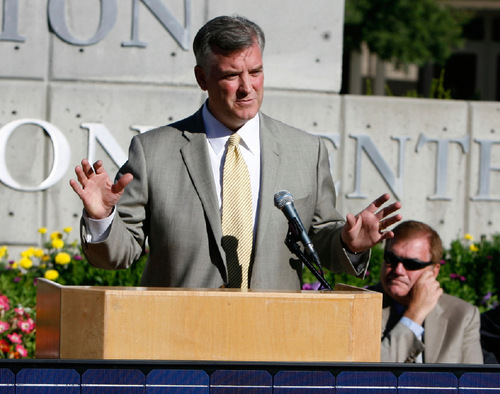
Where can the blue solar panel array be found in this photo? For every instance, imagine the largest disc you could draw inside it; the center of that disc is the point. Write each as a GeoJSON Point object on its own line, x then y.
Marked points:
{"type": "Point", "coordinates": [197, 381]}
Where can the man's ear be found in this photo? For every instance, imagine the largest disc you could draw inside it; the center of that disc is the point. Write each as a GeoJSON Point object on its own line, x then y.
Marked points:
{"type": "Point", "coordinates": [199, 73]}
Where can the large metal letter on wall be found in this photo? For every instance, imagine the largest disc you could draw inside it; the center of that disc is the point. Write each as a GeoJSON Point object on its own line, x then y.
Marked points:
{"type": "Point", "coordinates": [58, 22]}
{"type": "Point", "coordinates": [366, 144]}
{"type": "Point", "coordinates": [178, 31]}
{"type": "Point", "coordinates": [442, 161]}
{"type": "Point", "coordinates": [99, 132]}
{"type": "Point", "coordinates": [484, 170]}
{"type": "Point", "coordinates": [62, 155]}
{"type": "Point", "coordinates": [10, 26]}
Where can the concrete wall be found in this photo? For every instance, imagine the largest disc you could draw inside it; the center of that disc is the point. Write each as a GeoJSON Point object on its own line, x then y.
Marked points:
{"type": "Point", "coordinates": [109, 91]}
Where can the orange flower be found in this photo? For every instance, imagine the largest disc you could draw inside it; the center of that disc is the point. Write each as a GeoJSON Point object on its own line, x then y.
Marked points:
{"type": "Point", "coordinates": [4, 346]}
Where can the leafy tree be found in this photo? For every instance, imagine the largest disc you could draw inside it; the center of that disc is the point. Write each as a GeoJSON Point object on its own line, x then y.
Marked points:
{"type": "Point", "coordinates": [404, 31]}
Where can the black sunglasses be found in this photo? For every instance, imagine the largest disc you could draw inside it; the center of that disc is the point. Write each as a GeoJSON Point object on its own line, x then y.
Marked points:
{"type": "Point", "coordinates": [409, 264]}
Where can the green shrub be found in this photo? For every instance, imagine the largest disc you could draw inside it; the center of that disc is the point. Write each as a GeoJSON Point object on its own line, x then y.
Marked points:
{"type": "Point", "coordinates": [471, 271]}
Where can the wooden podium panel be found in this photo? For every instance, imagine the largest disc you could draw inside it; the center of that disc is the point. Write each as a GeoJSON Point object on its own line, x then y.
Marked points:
{"type": "Point", "coordinates": [81, 322]}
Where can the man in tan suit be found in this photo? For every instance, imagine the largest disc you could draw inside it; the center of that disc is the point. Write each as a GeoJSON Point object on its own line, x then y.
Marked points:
{"type": "Point", "coordinates": [419, 322]}
{"type": "Point", "coordinates": [170, 190]}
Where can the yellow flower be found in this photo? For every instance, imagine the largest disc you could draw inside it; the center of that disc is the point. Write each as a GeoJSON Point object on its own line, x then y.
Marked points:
{"type": "Point", "coordinates": [57, 243]}
{"type": "Point", "coordinates": [51, 275]}
{"type": "Point", "coordinates": [3, 251]}
{"type": "Point", "coordinates": [63, 258]}
{"type": "Point", "coordinates": [26, 263]}
{"type": "Point", "coordinates": [473, 248]}
{"type": "Point", "coordinates": [28, 252]}
{"type": "Point", "coordinates": [68, 229]}
{"type": "Point", "coordinates": [38, 253]}
{"type": "Point", "coordinates": [55, 235]}
{"type": "Point", "coordinates": [45, 257]}
{"type": "Point", "coordinates": [468, 237]}
{"type": "Point", "coordinates": [14, 265]}
{"type": "Point", "coordinates": [42, 230]}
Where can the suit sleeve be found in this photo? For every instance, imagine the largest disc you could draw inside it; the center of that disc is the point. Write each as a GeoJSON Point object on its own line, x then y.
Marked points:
{"type": "Point", "coordinates": [460, 343]}
{"type": "Point", "coordinates": [471, 349]}
{"type": "Point", "coordinates": [328, 222]}
{"type": "Point", "coordinates": [126, 238]}
{"type": "Point", "coordinates": [400, 345]}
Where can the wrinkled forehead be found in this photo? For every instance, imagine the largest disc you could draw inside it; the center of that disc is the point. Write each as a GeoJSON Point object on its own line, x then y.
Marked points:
{"type": "Point", "coordinates": [224, 61]}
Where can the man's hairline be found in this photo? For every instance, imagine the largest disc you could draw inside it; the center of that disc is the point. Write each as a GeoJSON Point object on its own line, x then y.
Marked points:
{"type": "Point", "coordinates": [206, 67]}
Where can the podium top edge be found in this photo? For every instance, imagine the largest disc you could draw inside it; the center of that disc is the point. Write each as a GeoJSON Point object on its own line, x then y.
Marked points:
{"type": "Point", "coordinates": [345, 292]}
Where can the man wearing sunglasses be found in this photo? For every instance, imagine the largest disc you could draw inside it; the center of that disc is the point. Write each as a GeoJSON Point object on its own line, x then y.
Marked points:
{"type": "Point", "coordinates": [419, 322]}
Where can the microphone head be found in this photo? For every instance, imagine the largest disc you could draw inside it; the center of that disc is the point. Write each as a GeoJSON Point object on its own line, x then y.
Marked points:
{"type": "Point", "coordinates": [282, 198]}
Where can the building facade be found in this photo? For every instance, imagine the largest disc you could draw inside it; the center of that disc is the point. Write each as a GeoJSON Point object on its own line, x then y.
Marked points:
{"type": "Point", "coordinates": [80, 79]}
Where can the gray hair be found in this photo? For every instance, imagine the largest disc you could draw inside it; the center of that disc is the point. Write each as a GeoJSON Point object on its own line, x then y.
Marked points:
{"type": "Point", "coordinates": [229, 33]}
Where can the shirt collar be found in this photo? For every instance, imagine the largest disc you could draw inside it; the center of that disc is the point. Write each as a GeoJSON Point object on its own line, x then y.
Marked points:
{"type": "Point", "coordinates": [218, 134]}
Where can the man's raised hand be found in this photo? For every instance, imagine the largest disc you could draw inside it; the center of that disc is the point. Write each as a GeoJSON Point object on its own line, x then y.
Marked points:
{"type": "Point", "coordinates": [96, 190]}
{"type": "Point", "coordinates": [367, 228]}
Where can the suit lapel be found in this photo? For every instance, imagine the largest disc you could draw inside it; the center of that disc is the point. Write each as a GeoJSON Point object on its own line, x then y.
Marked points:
{"type": "Point", "coordinates": [435, 328]}
{"type": "Point", "coordinates": [197, 161]}
{"type": "Point", "coordinates": [270, 171]}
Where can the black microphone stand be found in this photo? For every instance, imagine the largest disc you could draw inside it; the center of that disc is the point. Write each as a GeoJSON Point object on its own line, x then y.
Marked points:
{"type": "Point", "coordinates": [291, 241]}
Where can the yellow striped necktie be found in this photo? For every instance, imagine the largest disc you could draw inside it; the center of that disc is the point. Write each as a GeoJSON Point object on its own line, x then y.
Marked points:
{"type": "Point", "coordinates": [237, 217]}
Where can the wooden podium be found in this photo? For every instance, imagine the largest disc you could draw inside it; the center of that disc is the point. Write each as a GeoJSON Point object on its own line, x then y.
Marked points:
{"type": "Point", "coordinates": [139, 323]}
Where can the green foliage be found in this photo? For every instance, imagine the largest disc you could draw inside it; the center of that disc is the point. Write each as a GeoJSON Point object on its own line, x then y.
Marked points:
{"type": "Point", "coordinates": [81, 273]}
{"type": "Point", "coordinates": [471, 271]}
{"type": "Point", "coordinates": [468, 270]}
{"type": "Point", "coordinates": [437, 90]}
{"type": "Point", "coordinates": [404, 31]}
{"type": "Point", "coordinates": [368, 85]}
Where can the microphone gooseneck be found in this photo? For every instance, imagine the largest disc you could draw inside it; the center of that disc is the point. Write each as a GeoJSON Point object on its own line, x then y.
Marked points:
{"type": "Point", "coordinates": [283, 200]}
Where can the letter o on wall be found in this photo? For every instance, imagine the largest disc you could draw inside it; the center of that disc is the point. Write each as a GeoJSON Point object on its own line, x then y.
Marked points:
{"type": "Point", "coordinates": [62, 155]}
{"type": "Point", "coordinates": [56, 11]}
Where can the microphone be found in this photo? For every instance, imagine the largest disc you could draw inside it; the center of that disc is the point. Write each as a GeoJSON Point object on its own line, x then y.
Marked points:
{"type": "Point", "coordinates": [283, 200]}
